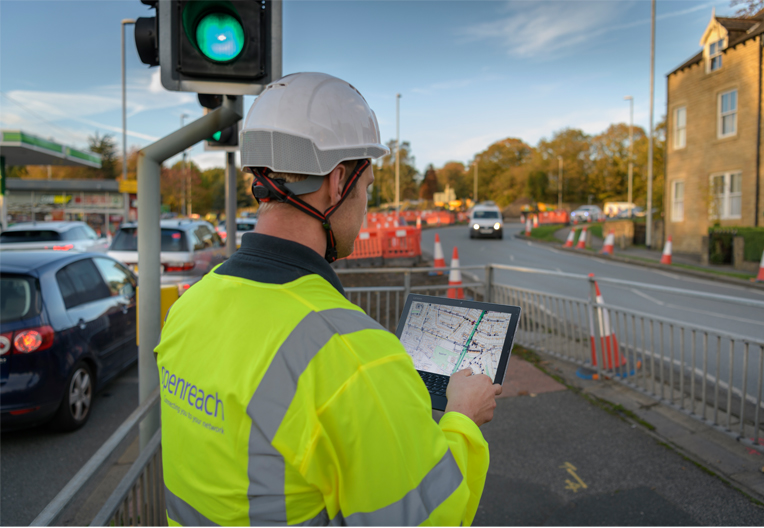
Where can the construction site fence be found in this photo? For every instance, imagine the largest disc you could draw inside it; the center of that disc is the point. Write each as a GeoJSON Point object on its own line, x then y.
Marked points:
{"type": "Point", "coordinates": [712, 375]}
{"type": "Point", "coordinates": [547, 217]}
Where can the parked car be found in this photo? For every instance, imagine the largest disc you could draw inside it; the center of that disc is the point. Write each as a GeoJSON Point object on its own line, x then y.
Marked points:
{"type": "Point", "coordinates": [57, 236]}
{"type": "Point", "coordinates": [486, 220]}
{"type": "Point", "coordinates": [67, 327]}
{"type": "Point", "coordinates": [637, 212]}
{"type": "Point", "coordinates": [189, 249]}
{"type": "Point", "coordinates": [587, 213]}
{"type": "Point", "coordinates": [243, 225]}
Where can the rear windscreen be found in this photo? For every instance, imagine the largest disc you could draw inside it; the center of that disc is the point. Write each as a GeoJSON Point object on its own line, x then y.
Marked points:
{"type": "Point", "coordinates": [127, 240]}
{"type": "Point", "coordinates": [30, 235]}
{"type": "Point", "coordinates": [485, 214]}
{"type": "Point", "coordinates": [19, 298]}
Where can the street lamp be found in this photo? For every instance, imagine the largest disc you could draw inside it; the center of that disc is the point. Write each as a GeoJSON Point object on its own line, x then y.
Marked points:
{"type": "Point", "coordinates": [559, 183]}
{"type": "Point", "coordinates": [398, 153]}
{"type": "Point", "coordinates": [475, 192]}
{"type": "Point", "coordinates": [649, 234]}
{"type": "Point", "coordinates": [631, 148]}
{"type": "Point", "coordinates": [183, 117]}
{"type": "Point", "coordinates": [125, 196]}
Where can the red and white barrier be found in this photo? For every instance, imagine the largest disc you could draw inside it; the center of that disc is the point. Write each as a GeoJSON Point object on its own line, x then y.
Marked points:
{"type": "Point", "coordinates": [582, 239]}
{"type": "Point", "coordinates": [455, 278]}
{"type": "Point", "coordinates": [609, 245]}
{"type": "Point", "coordinates": [571, 236]}
{"type": "Point", "coordinates": [666, 257]}
{"type": "Point", "coordinates": [612, 359]}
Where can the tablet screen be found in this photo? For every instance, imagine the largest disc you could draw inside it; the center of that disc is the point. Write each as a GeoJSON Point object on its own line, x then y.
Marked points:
{"type": "Point", "coordinates": [444, 339]}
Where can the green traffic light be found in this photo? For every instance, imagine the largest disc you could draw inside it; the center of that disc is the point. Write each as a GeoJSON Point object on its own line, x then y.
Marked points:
{"type": "Point", "coordinates": [216, 135]}
{"type": "Point", "coordinates": [220, 37]}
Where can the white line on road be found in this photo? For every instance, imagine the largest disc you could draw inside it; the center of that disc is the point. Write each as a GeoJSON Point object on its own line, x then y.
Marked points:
{"type": "Point", "coordinates": [558, 270]}
{"type": "Point", "coordinates": [511, 258]}
{"type": "Point", "coordinates": [714, 314]}
{"type": "Point", "coordinates": [649, 298]}
{"type": "Point", "coordinates": [553, 250]}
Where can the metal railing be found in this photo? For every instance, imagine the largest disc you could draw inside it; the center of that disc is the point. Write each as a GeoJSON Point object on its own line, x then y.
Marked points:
{"type": "Point", "coordinates": [709, 374]}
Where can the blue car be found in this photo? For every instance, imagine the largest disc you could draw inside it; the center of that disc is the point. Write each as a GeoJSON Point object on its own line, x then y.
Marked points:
{"type": "Point", "coordinates": [67, 327]}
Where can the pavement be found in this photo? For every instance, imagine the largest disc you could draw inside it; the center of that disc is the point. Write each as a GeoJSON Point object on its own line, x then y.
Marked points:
{"type": "Point", "coordinates": [571, 452]}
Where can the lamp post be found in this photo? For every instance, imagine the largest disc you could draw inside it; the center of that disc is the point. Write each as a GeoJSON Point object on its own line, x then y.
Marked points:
{"type": "Point", "coordinates": [398, 153]}
{"type": "Point", "coordinates": [648, 235]}
{"type": "Point", "coordinates": [631, 149]}
{"type": "Point", "coordinates": [475, 192]}
{"type": "Point", "coordinates": [183, 117]}
{"type": "Point", "coordinates": [125, 196]}
{"type": "Point", "coordinates": [559, 183]}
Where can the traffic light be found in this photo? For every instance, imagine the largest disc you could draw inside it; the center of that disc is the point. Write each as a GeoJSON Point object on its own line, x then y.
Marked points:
{"type": "Point", "coordinates": [226, 139]}
{"type": "Point", "coordinates": [229, 47]}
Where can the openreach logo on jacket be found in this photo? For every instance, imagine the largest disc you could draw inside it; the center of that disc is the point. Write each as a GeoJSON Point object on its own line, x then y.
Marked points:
{"type": "Point", "coordinates": [181, 393]}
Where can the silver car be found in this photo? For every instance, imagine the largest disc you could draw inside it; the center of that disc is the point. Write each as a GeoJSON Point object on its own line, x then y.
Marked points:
{"type": "Point", "coordinates": [189, 249]}
{"type": "Point", "coordinates": [56, 236]}
{"type": "Point", "coordinates": [587, 213]}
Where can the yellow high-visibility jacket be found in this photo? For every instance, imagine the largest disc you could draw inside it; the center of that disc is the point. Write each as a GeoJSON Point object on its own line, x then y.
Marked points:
{"type": "Point", "coordinates": [284, 403]}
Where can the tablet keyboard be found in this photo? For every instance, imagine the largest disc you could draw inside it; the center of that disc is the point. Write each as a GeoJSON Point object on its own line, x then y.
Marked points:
{"type": "Point", "coordinates": [435, 383]}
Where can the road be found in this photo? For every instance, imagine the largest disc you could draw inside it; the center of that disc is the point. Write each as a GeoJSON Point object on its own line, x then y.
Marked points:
{"type": "Point", "coordinates": [728, 317]}
{"type": "Point", "coordinates": [35, 464]}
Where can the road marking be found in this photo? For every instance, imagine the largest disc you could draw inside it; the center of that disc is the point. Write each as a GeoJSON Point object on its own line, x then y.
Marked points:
{"type": "Point", "coordinates": [511, 258]}
{"type": "Point", "coordinates": [558, 270]}
{"type": "Point", "coordinates": [649, 298]}
{"type": "Point", "coordinates": [573, 486]}
{"type": "Point", "coordinates": [714, 314]}
{"type": "Point", "coordinates": [553, 250]}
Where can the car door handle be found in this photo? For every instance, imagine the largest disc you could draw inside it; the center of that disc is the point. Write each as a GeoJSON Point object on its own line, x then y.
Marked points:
{"type": "Point", "coordinates": [82, 324]}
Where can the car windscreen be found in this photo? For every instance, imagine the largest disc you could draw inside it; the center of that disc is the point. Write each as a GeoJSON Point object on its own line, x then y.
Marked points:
{"type": "Point", "coordinates": [127, 240]}
{"type": "Point", "coordinates": [485, 214]}
{"type": "Point", "coordinates": [29, 235]}
{"type": "Point", "coordinates": [19, 298]}
{"type": "Point", "coordinates": [245, 227]}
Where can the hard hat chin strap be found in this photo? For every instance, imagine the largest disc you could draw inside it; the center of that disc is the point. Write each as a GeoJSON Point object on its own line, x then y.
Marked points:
{"type": "Point", "coordinates": [265, 189]}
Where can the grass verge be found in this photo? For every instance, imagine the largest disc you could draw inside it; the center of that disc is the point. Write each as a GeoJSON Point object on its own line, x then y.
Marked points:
{"type": "Point", "coordinates": [545, 232]}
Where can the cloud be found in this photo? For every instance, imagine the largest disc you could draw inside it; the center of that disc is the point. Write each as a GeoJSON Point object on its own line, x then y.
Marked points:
{"type": "Point", "coordinates": [550, 27]}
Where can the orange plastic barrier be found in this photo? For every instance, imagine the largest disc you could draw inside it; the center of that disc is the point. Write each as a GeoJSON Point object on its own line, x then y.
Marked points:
{"type": "Point", "coordinates": [402, 242]}
{"type": "Point", "coordinates": [553, 217]}
{"type": "Point", "coordinates": [367, 245]}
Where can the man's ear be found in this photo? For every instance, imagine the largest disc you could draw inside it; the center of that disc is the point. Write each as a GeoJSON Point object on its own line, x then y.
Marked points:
{"type": "Point", "coordinates": [336, 179]}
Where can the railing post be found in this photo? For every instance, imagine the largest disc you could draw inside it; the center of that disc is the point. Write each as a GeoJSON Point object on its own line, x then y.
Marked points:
{"type": "Point", "coordinates": [406, 285]}
{"type": "Point", "coordinates": [488, 283]}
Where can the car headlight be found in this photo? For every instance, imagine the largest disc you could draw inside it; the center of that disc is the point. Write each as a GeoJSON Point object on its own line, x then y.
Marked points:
{"type": "Point", "coordinates": [497, 226]}
{"type": "Point", "coordinates": [475, 227]}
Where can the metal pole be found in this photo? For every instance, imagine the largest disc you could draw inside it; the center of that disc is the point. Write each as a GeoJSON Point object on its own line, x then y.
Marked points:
{"type": "Point", "coordinates": [183, 117]}
{"type": "Point", "coordinates": [230, 203]}
{"type": "Point", "coordinates": [559, 183]}
{"type": "Point", "coordinates": [631, 150]}
{"type": "Point", "coordinates": [149, 237]}
{"type": "Point", "coordinates": [648, 236]}
{"type": "Point", "coordinates": [3, 204]}
{"type": "Point", "coordinates": [475, 193]}
{"type": "Point", "coordinates": [125, 196]}
{"type": "Point", "coordinates": [398, 153]}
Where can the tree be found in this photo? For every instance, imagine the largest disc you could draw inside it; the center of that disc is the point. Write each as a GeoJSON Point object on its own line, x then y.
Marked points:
{"type": "Point", "coordinates": [454, 175]}
{"type": "Point", "coordinates": [384, 175]}
{"type": "Point", "coordinates": [747, 7]}
{"type": "Point", "coordinates": [429, 184]}
{"type": "Point", "coordinates": [574, 147]}
{"type": "Point", "coordinates": [503, 170]}
{"type": "Point", "coordinates": [107, 149]}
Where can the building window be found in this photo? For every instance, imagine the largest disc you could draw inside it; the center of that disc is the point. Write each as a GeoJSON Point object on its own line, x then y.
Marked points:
{"type": "Point", "coordinates": [680, 127]}
{"type": "Point", "coordinates": [726, 193]}
{"type": "Point", "coordinates": [715, 55]}
{"type": "Point", "coordinates": [728, 113]}
{"type": "Point", "coordinates": [677, 201]}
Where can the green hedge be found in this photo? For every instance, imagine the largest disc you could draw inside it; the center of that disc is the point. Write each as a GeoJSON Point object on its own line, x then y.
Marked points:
{"type": "Point", "coordinates": [720, 243]}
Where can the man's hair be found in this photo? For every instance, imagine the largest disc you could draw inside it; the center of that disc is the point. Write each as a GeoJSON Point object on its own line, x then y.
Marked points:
{"type": "Point", "coordinates": [291, 178]}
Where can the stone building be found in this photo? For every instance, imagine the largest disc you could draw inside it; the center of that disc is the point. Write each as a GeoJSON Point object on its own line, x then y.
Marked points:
{"type": "Point", "coordinates": [714, 144]}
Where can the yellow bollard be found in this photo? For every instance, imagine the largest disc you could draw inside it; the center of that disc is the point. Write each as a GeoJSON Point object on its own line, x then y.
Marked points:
{"type": "Point", "coordinates": [168, 295]}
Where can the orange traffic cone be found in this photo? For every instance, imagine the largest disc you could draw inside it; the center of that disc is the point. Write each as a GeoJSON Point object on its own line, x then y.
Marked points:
{"type": "Point", "coordinates": [582, 239]}
{"type": "Point", "coordinates": [612, 359]}
{"type": "Point", "coordinates": [607, 249]}
{"type": "Point", "coordinates": [528, 227]}
{"type": "Point", "coordinates": [419, 222]}
{"type": "Point", "coordinates": [569, 241]}
{"type": "Point", "coordinates": [455, 278]}
{"type": "Point", "coordinates": [760, 277]}
{"type": "Point", "coordinates": [666, 257]}
{"type": "Point", "coordinates": [440, 261]}
{"type": "Point", "coordinates": [535, 221]}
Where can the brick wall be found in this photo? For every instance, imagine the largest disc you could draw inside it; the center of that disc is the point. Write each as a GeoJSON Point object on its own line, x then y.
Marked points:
{"type": "Point", "coordinates": [706, 154]}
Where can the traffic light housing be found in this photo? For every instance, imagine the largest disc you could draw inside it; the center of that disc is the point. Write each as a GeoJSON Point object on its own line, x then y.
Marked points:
{"type": "Point", "coordinates": [226, 139]}
{"type": "Point", "coordinates": [229, 47]}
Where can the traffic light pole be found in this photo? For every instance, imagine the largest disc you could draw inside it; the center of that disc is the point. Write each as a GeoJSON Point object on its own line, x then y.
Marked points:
{"type": "Point", "coordinates": [149, 241]}
{"type": "Point", "coordinates": [230, 203]}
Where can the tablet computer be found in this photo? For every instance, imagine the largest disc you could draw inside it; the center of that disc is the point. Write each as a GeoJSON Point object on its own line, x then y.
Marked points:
{"type": "Point", "coordinates": [444, 335]}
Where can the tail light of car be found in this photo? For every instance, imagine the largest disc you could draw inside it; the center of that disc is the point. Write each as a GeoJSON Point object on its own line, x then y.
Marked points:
{"type": "Point", "coordinates": [65, 247]}
{"type": "Point", "coordinates": [32, 339]}
{"type": "Point", "coordinates": [5, 343]}
{"type": "Point", "coordinates": [178, 266]}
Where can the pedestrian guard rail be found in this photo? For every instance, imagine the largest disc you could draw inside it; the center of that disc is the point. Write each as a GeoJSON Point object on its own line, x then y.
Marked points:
{"type": "Point", "coordinates": [712, 375]}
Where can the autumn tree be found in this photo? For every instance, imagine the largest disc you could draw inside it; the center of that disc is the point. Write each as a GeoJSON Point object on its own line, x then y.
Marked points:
{"type": "Point", "coordinates": [384, 175]}
{"type": "Point", "coordinates": [503, 170]}
{"type": "Point", "coordinates": [429, 184]}
{"type": "Point", "coordinates": [453, 174]}
{"type": "Point", "coordinates": [574, 148]}
{"type": "Point", "coordinates": [105, 146]}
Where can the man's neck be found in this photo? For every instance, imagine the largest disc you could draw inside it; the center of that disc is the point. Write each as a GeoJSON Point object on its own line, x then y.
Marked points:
{"type": "Point", "coordinates": [281, 222]}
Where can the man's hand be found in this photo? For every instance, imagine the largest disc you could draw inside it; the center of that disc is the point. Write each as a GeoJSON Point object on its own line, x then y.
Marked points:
{"type": "Point", "coordinates": [472, 395]}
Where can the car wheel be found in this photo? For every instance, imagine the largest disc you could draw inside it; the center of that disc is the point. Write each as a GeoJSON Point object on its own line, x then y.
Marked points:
{"type": "Point", "coordinates": [78, 398]}
{"type": "Point", "coordinates": [501, 236]}
{"type": "Point", "coordinates": [472, 234]}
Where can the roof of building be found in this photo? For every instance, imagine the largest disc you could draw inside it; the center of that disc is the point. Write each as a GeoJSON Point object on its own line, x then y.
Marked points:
{"type": "Point", "coordinates": [739, 29]}
{"type": "Point", "coordinates": [21, 148]}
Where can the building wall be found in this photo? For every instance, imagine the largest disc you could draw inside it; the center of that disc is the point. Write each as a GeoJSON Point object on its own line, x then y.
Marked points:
{"type": "Point", "coordinates": [705, 154]}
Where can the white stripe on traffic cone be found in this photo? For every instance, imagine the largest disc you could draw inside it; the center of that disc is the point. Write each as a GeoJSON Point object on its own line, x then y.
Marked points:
{"type": "Point", "coordinates": [666, 257]}
{"type": "Point", "coordinates": [440, 261]}
{"type": "Point", "coordinates": [569, 241]}
{"type": "Point", "coordinates": [582, 239]}
{"type": "Point", "coordinates": [455, 278]}
{"type": "Point", "coordinates": [609, 245]}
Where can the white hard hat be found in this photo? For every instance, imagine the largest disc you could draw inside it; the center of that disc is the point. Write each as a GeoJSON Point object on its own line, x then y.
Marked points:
{"type": "Point", "coordinates": [307, 123]}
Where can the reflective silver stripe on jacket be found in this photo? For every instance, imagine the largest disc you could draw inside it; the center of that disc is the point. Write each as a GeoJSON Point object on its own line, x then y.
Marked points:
{"type": "Point", "coordinates": [182, 512]}
{"type": "Point", "coordinates": [269, 405]}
